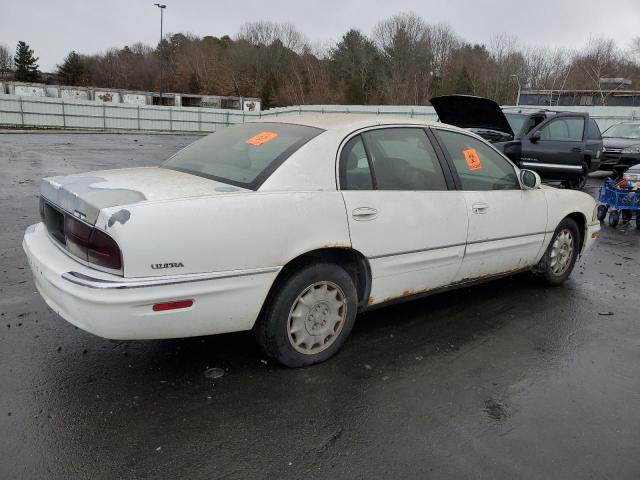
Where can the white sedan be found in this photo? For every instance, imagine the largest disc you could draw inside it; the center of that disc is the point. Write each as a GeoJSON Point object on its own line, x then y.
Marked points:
{"type": "Point", "coordinates": [291, 226]}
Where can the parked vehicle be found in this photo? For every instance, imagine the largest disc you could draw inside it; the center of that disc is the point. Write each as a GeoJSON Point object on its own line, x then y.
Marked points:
{"type": "Point", "coordinates": [291, 227]}
{"type": "Point", "coordinates": [621, 147]}
{"type": "Point", "coordinates": [562, 146]}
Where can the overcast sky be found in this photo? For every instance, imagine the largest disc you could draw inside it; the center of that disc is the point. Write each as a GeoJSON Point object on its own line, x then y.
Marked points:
{"type": "Point", "coordinates": [55, 27]}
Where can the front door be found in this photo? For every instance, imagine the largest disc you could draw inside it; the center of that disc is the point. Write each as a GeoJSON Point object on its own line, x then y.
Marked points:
{"type": "Point", "coordinates": [506, 223]}
{"type": "Point", "coordinates": [556, 148]}
{"type": "Point", "coordinates": [402, 215]}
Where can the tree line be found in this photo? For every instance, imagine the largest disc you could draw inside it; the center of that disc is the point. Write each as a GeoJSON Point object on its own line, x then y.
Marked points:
{"type": "Point", "coordinates": [405, 61]}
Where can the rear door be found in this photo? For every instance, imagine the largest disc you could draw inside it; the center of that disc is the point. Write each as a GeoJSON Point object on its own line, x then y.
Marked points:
{"type": "Point", "coordinates": [506, 223]}
{"type": "Point", "coordinates": [404, 214]}
{"type": "Point", "coordinates": [556, 147]}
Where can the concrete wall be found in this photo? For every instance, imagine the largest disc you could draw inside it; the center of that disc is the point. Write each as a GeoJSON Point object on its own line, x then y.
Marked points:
{"type": "Point", "coordinates": [28, 90]}
{"type": "Point", "coordinates": [134, 98]}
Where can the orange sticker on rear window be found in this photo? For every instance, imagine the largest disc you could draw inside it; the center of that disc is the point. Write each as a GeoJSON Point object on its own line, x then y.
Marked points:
{"type": "Point", "coordinates": [472, 158]}
{"type": "Point", "coordinates": [260, 138]}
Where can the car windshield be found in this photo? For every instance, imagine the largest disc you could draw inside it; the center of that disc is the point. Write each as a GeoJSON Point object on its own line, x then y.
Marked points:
{"type": "Point", "coordinates": [623, 130]}
{"type": "Point", "coordinates": [242, 155]}
{"type": "Point", "coordinates": [515, 121]}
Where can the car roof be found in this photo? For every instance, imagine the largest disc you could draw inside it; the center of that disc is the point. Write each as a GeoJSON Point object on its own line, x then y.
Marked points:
{"type": "Point", "coordinates": [349, 121]}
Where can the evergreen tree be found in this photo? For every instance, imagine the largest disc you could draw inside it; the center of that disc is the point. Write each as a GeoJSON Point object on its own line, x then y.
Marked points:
{"type": "Point", "coordinates": [72, 69]}
{"type": "Point", "coordinates": [356, 62]}
{"type": "Point", "coordinates": [25, 62]}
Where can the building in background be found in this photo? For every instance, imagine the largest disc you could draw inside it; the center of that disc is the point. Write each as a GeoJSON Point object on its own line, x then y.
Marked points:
{"type": "Point", "coordinates": [612, 92]}
{"type": "Point", "coordinates": [116, 95]}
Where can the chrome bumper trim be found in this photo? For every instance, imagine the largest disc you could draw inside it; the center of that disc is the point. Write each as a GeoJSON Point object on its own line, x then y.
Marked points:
{"type": "Point", "coordinates": [91, 282]}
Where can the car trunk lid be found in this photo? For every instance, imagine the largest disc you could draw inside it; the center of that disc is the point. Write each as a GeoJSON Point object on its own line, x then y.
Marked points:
{"type": "Point", "coordinates": [85, 195]}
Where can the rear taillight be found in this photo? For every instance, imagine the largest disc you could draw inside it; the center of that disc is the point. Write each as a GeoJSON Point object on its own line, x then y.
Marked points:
{"type": "Point", "coordinates": [76, 235]}
{"type": "Point", "coordinates": [90, 244]}
{"type": "Point", "coordinates": [103, 250]}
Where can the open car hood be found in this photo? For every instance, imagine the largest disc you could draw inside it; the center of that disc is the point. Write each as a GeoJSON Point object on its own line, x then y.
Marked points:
{"type": "Point", "coordinates": [466, 111]}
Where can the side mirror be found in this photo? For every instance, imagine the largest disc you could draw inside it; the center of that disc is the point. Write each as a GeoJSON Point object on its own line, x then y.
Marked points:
{"type": "Point", "coordinates": [529, 179]}
{"type": "Point", "coordinates": [535, 136]}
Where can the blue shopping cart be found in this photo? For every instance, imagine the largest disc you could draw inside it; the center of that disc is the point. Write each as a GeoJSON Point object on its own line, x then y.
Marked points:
{"type": "Point", "coordinates": [619, 202]}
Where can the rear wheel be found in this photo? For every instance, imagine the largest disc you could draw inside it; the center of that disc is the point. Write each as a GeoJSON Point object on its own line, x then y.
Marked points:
{"type": "Point", "coordinates": [561, 255]}
{"type": "Point", "coordinates": [309, 316]}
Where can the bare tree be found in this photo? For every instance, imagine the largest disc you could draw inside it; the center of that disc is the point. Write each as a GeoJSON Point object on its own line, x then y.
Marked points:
{"type": "Point", "coordinates": [6, 61]}
{"type": "Point", "coordinates": [600, 59]}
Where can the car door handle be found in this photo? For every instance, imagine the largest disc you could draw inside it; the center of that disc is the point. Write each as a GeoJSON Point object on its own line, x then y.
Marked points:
{"type": "Point", "coordinates": [479, 208]}
{"type": "Point", "coordinates": [364, 213]}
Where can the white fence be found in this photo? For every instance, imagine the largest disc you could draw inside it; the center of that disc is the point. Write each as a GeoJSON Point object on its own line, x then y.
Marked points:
{"type": "Point", "coordinates": [37, 112]}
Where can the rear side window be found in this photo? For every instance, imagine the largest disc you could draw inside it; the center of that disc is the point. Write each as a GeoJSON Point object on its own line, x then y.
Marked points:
{"type": "Point", "coordinates": [354, 163]}
{"type": "Point", "coordinates": [242, 155]}
{"type": "Point", "coordinates": [563, 129]}
{"type": "Point", "coordinates": [479, 167]}
{"type": "Point", "coordinates": [404, 159]}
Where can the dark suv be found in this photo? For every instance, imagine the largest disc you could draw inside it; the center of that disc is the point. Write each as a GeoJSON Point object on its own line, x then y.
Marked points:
{"type": "Point", "coordinates": [563, 146]}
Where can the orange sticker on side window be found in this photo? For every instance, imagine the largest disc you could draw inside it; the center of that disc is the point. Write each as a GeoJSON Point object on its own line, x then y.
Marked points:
{"type": "Point", "coordinates": [260, 138]}
{"type": "Point", "coordinates": [472, 158]}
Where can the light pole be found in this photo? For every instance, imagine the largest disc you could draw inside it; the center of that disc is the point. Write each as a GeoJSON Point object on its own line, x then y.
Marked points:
{"type": "Point", "coordinates": [515, 76]}
{"type": "Point", "coordinates": [161, 7]}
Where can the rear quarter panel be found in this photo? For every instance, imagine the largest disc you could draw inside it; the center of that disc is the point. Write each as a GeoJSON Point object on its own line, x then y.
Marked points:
{"type": "Point", "coordinates": [227, 232]}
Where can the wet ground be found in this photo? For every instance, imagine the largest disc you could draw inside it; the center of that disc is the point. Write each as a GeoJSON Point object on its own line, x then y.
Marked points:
{"type": "Point", "coordinates": [504, 380]}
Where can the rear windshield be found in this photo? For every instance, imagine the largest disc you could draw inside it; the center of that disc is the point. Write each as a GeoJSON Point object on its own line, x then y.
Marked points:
{"type": "Point", "coordinates": [242, 155]}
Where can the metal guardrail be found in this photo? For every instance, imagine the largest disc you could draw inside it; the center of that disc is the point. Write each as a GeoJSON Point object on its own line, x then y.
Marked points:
{"type": "Point", "coordinates": [43, 112]}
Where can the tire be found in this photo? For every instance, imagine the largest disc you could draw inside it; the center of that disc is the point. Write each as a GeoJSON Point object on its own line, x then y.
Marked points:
{"type": "Point", "coordinates": [614, 219]}
{"type": "Point", "coordinates": [558, 261]}
{"type": "Point", "coordinates": [602, 212]}
{"type": "Point", "coordinates": [638, 220]}
{"type": "Point", "coordinates": [325, 299]}
{"type": "Point", "coordinates": [579, 182]}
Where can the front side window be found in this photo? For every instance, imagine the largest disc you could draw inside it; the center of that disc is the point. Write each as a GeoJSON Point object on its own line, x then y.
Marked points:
{"type": "Point", "coordinates": [242, 155]}
{"type": "Point", "coordinates": [564, 130]}
{"type": "Point", "coordinates": [479, 167]}
{"type": "Point", "coordinates": [404, 159]}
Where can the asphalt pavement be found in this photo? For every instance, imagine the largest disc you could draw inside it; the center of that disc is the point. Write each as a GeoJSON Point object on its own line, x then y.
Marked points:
{"type": "Point", "coordinates": [502, 380]}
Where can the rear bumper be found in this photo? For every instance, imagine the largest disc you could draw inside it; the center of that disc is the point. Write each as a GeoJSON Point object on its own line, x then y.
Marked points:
{"type": "Point", "coordinates": [114, 307]}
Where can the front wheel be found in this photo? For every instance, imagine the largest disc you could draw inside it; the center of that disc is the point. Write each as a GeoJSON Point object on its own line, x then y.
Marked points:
{"type": "Point", "coordinates": [309, 315]}
{"type": "Point", "coordinates": [580, 181]}
{"type": "Point", "coordinates": [561, 255]}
